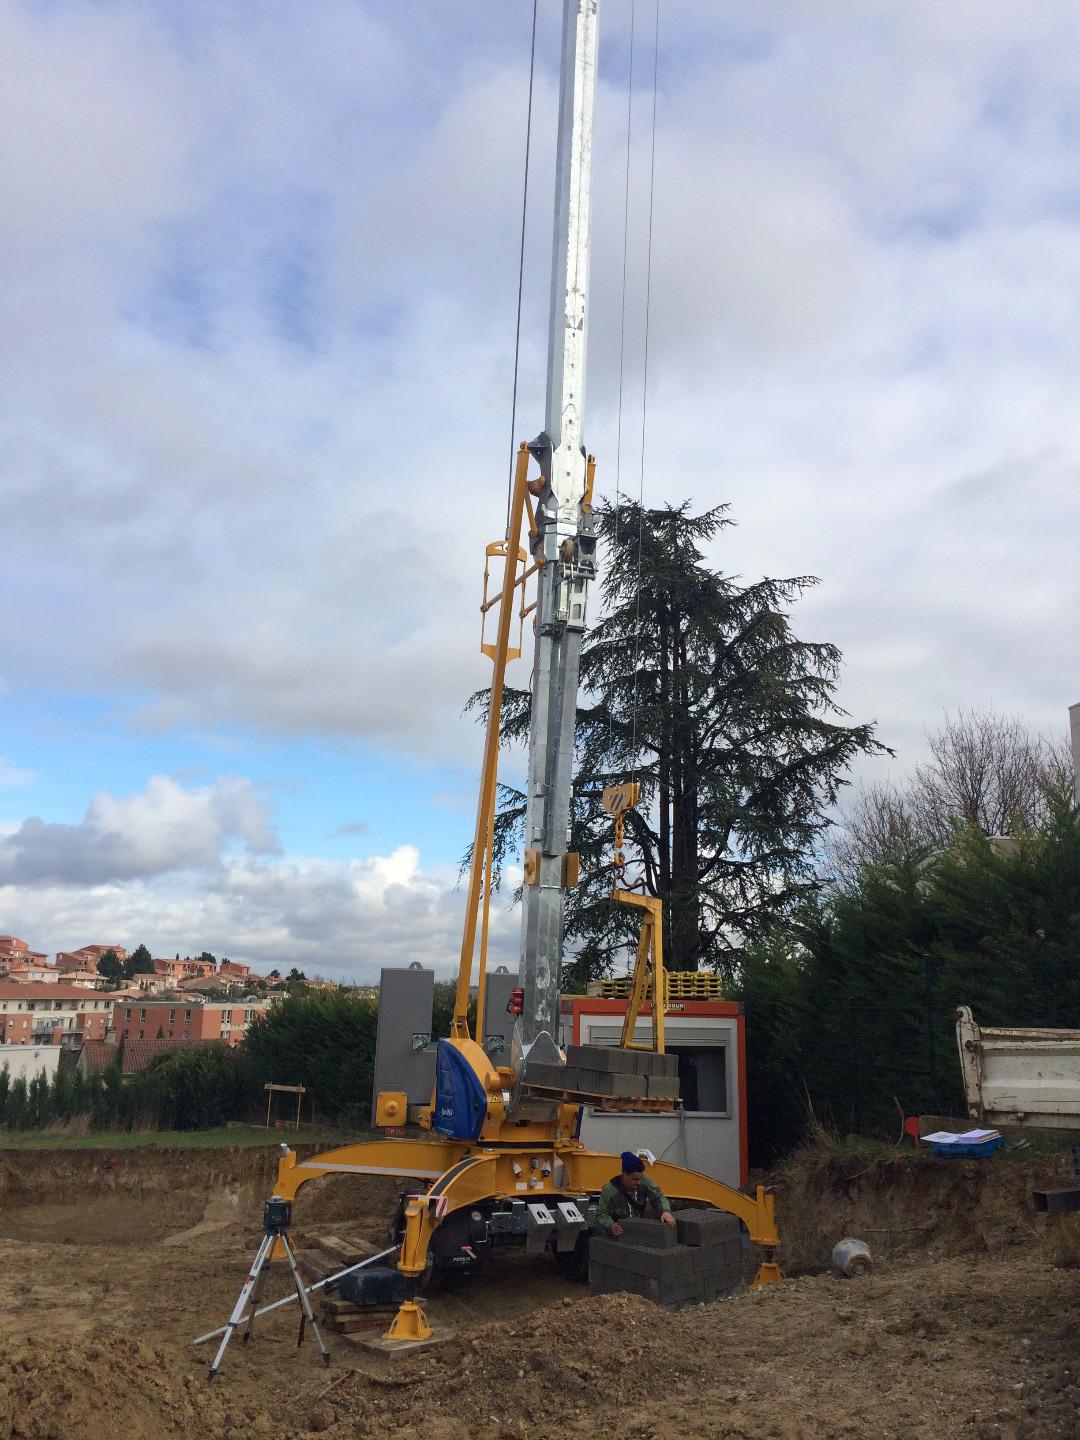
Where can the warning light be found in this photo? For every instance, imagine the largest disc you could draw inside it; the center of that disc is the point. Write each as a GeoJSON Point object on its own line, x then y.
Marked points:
{"type": "Point", "coordinates": [516, 1004]}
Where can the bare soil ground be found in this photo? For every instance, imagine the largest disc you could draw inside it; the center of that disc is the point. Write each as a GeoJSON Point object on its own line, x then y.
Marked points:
{"type": "Point", "coordinates": [965, 1329]}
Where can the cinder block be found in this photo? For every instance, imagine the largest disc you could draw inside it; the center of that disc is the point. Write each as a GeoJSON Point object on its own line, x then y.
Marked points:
{"type": "Point", "coordinates": [707, 1227]}
{"type": "Point", "coordinates": [557, 1076]}
{"type": "Point", "coordinates": [670, 1291]}
{"type": "Point", "coordinates": [601, 1277]}
{"type": "Point", "coordinates": [618, 1086]}
{"type": "Point", "coordinates": [603, 1251]}
{"type": "Point", "coordinates": [653, 1234]}
{"type": "Point", "coordinates": [605, 1058]}
{"type": "Point", "coordinates": [663, 1087]}
{"type": "Point", "coordinates": [648, 1062]}
{"type": "Point", "coordinates": [641, 1260]}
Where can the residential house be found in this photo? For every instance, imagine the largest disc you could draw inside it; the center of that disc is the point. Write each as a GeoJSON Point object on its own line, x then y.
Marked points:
{"type": "Point", "coordinates": [26, 973]}
{"type": "Point", "coordinates": [177, 970]}
{"type": "Point", "coordinates": [87, 957]}
{"type": "Point", "coordinates": [135, 1055]}
{"type": "Point", "coordinates": [88, 979]}
{"type": "Point", "coordinates": [97, 1055]}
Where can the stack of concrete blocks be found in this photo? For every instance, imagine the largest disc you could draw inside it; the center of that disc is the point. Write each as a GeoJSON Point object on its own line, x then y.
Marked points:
{"type": "Point", "coordinates": [698, 1259]}
{"type": "Point", "coordinates": [620, 1074]}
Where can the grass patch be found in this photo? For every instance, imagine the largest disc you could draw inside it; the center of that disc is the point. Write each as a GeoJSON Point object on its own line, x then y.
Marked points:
{"type": "Point", "coordinates": [247, 1136]}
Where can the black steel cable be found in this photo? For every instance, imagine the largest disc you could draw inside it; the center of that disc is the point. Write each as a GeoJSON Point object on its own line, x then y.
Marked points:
{"type": "Point", "coordinates": [645, 384]}
{"type": "Point", "coordinates": [521, 271]}
{"type": "Point", "coordinates": [625, 251]}
{"type": "Point", "coordinates": [622, 301]}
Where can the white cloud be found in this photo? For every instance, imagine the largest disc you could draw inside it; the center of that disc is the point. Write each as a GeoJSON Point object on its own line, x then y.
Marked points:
{"type": "Point", "coordinates": [344, 920]}
{"type": "Point", "coordinates": [256, 333]}
{"type": "Point", "coordinates": [13, 775]}
{"type": "Point", "coordinates": [165, 828]}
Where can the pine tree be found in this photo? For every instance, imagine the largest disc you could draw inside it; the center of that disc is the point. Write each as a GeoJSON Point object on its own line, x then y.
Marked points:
{"type": "Point", "coordinates": [39, 1108]}
{"type": "Point", "coordinates": [696, 686]}
{"type": "Point", "coordinates": [61, 1094]}
{"type": "Point", "coordinates": [139, 962]}
{"type": "Point", "coordinates": [15, 1115]}
{"type": "Point", "coordinates": [110, 966]}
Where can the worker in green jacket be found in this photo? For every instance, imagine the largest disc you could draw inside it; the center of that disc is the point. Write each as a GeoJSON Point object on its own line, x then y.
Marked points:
{"type": "Point", "coordinates": [631, 1192]}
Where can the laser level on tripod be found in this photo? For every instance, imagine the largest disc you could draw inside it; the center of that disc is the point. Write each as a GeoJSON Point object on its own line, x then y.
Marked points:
{"type": "Point", "coordinates": [275, 1244]}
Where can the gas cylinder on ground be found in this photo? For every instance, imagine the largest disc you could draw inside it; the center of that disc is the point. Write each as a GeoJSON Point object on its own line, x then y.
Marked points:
{"type": "Point", "coordinates": [852, 1257]}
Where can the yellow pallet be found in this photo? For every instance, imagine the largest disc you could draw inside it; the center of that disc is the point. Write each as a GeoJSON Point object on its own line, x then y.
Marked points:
{"type": "Point", "coordinates": [681, 985]}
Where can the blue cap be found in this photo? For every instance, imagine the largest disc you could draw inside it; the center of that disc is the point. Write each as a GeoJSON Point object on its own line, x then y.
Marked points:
{"type": "Point", "coordinates": [631, 1162]}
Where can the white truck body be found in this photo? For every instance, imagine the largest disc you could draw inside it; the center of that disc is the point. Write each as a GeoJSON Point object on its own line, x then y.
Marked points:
{"type": "Point", "coordinates": [1020, 1077]}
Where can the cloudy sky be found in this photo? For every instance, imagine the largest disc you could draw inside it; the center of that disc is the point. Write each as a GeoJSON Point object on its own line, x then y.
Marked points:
{"type": "Point", "coordinates": [256, 332]}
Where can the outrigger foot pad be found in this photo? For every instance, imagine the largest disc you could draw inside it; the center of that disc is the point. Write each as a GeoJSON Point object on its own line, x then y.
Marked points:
{"type": "Point", "coordinates": [410, 1323]}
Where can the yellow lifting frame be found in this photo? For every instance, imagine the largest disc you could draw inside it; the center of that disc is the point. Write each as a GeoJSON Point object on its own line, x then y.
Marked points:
{"type": "Point", "coordinates": [484, 834]}
{"type": "Point", "coordinates": [459, 1174]}
{"type": "Point", "coordinates": [650, 977]}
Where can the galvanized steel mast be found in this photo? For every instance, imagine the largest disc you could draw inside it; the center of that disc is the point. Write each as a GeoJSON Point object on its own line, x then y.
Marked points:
{"type": "Point", "coordinates": [565, 542]}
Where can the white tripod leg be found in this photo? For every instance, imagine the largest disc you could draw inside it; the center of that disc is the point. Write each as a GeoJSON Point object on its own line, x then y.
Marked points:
{"type": "Point", "coordinates": [256, 1296]}
{"type": "Point", "coordinates": [305, 1301]}
{"type": "Point", "coordinates": [241, 1304]}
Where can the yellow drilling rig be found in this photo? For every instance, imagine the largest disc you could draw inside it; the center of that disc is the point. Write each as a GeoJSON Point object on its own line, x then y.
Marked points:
{"type": "Point", "coordinates": [494, 1157]}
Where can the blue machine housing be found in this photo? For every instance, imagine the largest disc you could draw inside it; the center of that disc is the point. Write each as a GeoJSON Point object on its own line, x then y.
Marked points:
{"type": "Point", "coordinates": [460, 1098]}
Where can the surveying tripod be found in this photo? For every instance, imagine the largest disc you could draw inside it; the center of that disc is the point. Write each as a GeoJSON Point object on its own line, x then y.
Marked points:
{"type": "Point", "coordinates": [277, 1217]}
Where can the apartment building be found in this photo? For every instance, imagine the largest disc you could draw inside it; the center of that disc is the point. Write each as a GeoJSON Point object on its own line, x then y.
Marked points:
{"type": "Point", "coordinates": [142, 1018]}
{"type": "Point", "coordinates": [87, 957]}
{"type": "Point", "coordinates": [35, 1014]}
{"type": "Point", "coordinates": [182, 969]}
{"type": "Point", "coordinates": [16, 952]}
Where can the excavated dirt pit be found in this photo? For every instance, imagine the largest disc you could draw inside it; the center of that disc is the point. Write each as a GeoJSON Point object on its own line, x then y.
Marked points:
{"type": "Point", "coordinates": [965, 1329]}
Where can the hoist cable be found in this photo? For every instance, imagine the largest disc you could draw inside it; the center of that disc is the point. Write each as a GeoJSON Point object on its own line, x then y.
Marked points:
{"type": "Point", "coordinates": [622, 302]}
{"type": "Point", "coordinates": [521, 271]}
{"type": "Point", "coordinates": [625, 253]}
{"type": "Point", "coordinates": [645, 387]}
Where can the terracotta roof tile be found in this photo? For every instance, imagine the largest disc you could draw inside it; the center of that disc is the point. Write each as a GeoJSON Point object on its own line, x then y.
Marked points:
{"type": "Point", "coordinates": [15, 990]}
{"type": "Point", "coordinates": [139, 1053]}
{"type": "Point", "coordinates": [98, 1055]}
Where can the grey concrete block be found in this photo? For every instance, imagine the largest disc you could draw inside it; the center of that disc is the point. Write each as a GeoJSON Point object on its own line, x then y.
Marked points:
{"type": "Point", "coordinates": [557, 1076]}
{"type": "Point", "coordinates": [648, 1062]}
{"type": "Point", "coordinates": [707, 1227]}
{"type": "Point", "coordinates": [606, 1058]}
{"type": "Point", "coordinates": [618, 1086]}
{"type": "Point", "coordinates": [670, 1291]}
{"type": "Point", "coordinates": [676, 1263]}
{"type": "Point", "coordinates": [663, 1087]}
{"type": "Point", "coordinates": [603, 1251]}
{"type": "Point", "coordinates": [653, 1234]}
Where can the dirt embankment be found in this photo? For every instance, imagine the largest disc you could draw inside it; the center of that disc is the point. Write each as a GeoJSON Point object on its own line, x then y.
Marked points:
{"type": "Point", "coordinates": [914, 1202]}
{"type": "Point", "coordinates": [130, 1196]}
